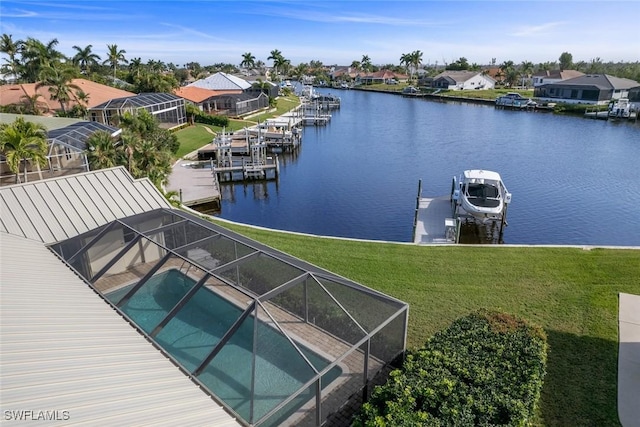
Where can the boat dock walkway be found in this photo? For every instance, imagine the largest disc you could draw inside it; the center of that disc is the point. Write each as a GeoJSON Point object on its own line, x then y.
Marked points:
{"type": "Point", "coordinates": [433, 221]}
{"type": "Point", "coordinates": [195, 186]}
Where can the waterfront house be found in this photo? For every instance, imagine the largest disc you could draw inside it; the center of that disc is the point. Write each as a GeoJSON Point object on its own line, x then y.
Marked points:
{"type": "Point", "coordinates": [18, 95]}
{"type": "Point", "coordinates": [554, 76]}
{"type": "Point", "coordinates": [222, 81]}
{"type": "Point", "coordinates": [380, 77]}
{"type": "Point", "coordinates": [598, 89]}
{"type": "Point", "coordinates": [141, 313]}
{"type": "Point", "coordinates": [239, 104]}
{"type": "Point", "coordinates": [461, 80]}
{"type": "Point", "coordinates": [202, 98]}
{"type": "Point", "coordinates": [67, 145]}
{"type": "Point", "coordinates": [168, 109]}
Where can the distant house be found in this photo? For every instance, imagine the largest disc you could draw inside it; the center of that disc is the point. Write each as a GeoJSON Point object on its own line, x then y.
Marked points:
{"type": "Point", "coordinates": [222, 81]}
{"type": "Point", "coordinates": [379, 77]}
{"type": "Point", "coordinates": [236, 105]}
{"type": "Point", "coordinates": [462, 80]}
{"type": "Point", "coordinates": [343, 73]}
{"type": "Point", "coordinates": [18, 94]}
{"type": "Point", "coordinates": [67, 146]}
{"type": "Point", "coordinates": [587, 89]}
{"type": "Point", "coordinates": [269, 88]}
{"type": "Point", "coordinates": [554, 76]}
{"type": "Point", "coordinates": [202, 98]}
{"type": "Point", "coordinates": [168, 109]}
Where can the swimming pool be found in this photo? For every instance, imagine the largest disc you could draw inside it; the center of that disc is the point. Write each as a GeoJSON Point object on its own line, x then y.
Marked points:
{"type": "Point", "coordinates": [195, 330]}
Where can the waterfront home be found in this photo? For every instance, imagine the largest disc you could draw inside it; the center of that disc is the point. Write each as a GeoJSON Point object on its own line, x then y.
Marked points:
{"type": "Point", "coordinates": [239, 104]}
{"type": "Point", "coordinates": [597, 89]}
{"type": "Point", "coordinates": [379, 77]}
{"type": "Point", "coordinates": [18, 96]}
{"type": "Point", "coordinates": [222, 81]}
{"type": "Point", "coordinates": [459, 80]}
{"type": "Point", "coordinates": [66, 153]}
{"type": "Point", "coordinates": [168, 109]}
{"type": "Point", "coordinates": [554, 76]}
{"type": "Point", "coordinates": [140, 310]}
{"type": "Point", "coordinates": [202, 98]}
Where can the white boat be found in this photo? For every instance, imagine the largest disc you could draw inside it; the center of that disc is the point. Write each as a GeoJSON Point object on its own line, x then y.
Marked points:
{"type": "Point", "coordinates": [620, 109]}
{"type": "Point", "coordinates": [514, 99]}
{"type": "Point", "coordinates": [481, 194]}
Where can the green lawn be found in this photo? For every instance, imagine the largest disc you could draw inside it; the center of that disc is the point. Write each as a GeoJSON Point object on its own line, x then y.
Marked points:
{"type": "Point", "coordinates": [572, 293]}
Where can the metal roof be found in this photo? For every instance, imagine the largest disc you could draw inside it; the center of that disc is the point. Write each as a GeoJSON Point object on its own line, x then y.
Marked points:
{"type": "Point", "coordinates": [66, 354]}
{"type": "Point", "coordinates": [221, 81]}
{"type": "Point", "coordinates": [59, 208]}
{"type": "Point", "coordinates": [77, 134]}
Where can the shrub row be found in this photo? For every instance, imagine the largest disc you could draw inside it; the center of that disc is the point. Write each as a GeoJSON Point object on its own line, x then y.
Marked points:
{"type": "Point", "coordinates": [487, 368]}
{"type": "Point", "coordinates": [201, 117]}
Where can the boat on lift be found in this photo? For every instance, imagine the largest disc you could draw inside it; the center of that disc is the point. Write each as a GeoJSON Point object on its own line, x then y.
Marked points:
{"type": "Point", "coordinates": [481, 194]}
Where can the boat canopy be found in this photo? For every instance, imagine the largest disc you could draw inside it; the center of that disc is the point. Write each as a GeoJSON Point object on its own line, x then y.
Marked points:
{"type": "Point", "coordinates": [479, 174]}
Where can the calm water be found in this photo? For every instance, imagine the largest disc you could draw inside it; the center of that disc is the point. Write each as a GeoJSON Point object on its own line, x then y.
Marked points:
{"type": "Point", "coordinates": [574, 180]}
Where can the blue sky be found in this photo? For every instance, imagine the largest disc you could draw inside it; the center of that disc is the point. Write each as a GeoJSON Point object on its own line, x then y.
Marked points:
{"type": "Point", "coordinates": [334, 32]}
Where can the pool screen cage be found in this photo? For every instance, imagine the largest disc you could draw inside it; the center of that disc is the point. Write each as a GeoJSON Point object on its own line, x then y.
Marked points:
{"type": "Point", "coordinates": [276, 340]}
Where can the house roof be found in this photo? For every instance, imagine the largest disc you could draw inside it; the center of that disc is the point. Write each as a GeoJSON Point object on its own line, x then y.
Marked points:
{"type": "Point", "coordinates": [50, 123]}
{"type": "Point", "coordinates": [457, 75]}
{"type": "Point", "coordinates": [559, 74]}
{"type": "Point", "coordinates": [221, 81]}
{"type": "Point", "coordinates": [55, 209]}
{"type": "Point", "coordinates": [199, 94]}
{"type": "Point", "coordinates": [63, 348]}
{"type": "Point", "coordinates": [600, 81]}
{"type": "Point", "coordinates": [97, 93]}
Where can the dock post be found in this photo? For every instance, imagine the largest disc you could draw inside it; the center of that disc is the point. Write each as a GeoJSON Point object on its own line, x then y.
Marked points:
{"type": "Point", "coordinates": [415, 215]}
{"type": "Point", "coordinates": [503, 221]}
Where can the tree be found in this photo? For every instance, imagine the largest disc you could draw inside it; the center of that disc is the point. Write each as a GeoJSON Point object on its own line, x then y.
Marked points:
{"type": "Point", "coordinates": [36, 56]}
{"type": "Point", "coordinates": [59, 83]}
{"type": "Point", "coordinates": [248, 60]}
{"type": "Point", "coordinates": [526, 69]}
{"type": "Point", "coordinates": [114, 57]}
{"type": "Point", "coordinates": [277, 58]}
{"type": "Point", "coordinates": [85, 59]}
{"type": "Point", "coordinates": [101, 150]}
{"type": "Point", "coordinates": [11, 48]}
{"type": "Point", "coordinates": [365, 63]}
{"type": "Point", "coordinates": [22, 142]}
{"type": "Point", "coordinates": [33, 104]}
{"type": "Point", "coordinates": [566, 61]}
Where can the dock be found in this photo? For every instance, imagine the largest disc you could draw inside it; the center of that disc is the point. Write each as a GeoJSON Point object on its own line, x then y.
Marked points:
{"type": "Point", "coordinates": [434, 222]}
{"type": "Point", "coordinates": [195, 186]}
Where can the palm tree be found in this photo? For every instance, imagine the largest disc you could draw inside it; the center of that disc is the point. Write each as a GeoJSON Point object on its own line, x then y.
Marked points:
{"type": "Point", "coordinates": [115, 56]}
{"type": "Point", "coordinates": [365, 63]}
{"type": "Point", "coordinates": [59, 83]}
{"type": "Point", "coordinates": [405, 61]}
{"type": "Point", "coordinates": [248, 60]}
{"type": "Point", "coordinates": [356, 65]}
{"type": "Point", "coordinates": [101, 150]}
{"type": "Point", "coordinates": [23, 141]}
{"type": "Point", "coordinates": [37, 56]}
{"type": "Point", "coordinates": [415, 59]}
{"type": "Point", "coordinates": [526, 69]}
{"type": "Point", "coordinates": [11, 48]}
{"type": "Point", "coordinates": [277, 58]}
{"type": "Point", "coordinates": [33, 104]}
{"type": "Point", "coordinates": [85, 59]}
{"type": "Point", "coordinates": [136, 67]}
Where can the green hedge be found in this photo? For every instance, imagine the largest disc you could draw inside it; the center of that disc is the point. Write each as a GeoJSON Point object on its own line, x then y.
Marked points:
{"type": "Point", "coordinates": [487, 368]}
{"type": "Point", "coordinates": [201, 117]}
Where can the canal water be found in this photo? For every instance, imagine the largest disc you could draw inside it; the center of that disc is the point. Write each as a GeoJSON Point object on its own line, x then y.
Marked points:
{"type": "Point", "coordinates": [573, 180]}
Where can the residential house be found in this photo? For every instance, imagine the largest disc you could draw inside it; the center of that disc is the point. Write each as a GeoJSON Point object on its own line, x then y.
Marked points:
{"type": "Point", "coordinates": [168, 109]}
{"type": "Point", "coordinates": [204, 99]}
{"type": "Point", "coordinates": [462, 80]}
{"type": "Point", "coordinates": [597, 89]}
{"type": "Point", "coordinates": [18, 95]}
{"type": "Point", "coordinates": [67, 146]}
{"type": "Point", "coordinates": [554, 76]}
{"type": "Point", "coordinates": [222, 81]}
{"type": "Point", "coordinates": [239, 104]}
{"type": "Point", "coordinates": [380, 77]}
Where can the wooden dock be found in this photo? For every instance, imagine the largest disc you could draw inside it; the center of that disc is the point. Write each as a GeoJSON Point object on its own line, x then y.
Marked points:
{"type": "Point", "coordinates": [195, 186]}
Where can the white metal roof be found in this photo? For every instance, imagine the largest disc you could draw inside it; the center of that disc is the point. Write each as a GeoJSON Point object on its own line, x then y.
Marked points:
{"type": "Point", "coordinates": [56, 209]}
{"type": "Point", "coordinates": [481, 174]}
{"type": "Point", "coordinates": [222, 81]}
{"type": "Point", "coordinates": [64, 349]}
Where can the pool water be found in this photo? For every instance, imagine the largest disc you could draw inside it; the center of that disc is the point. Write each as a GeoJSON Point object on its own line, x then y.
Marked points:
{"type": "Point", "coordinates": [191, 335]}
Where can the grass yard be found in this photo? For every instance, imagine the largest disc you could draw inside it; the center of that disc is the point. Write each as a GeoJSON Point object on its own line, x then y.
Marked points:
{"type": "Point", "coordinates": [572, 293]}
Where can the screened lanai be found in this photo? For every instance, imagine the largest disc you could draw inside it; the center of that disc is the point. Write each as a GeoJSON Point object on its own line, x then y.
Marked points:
{"type": "Point", "coordinates": [274, 339]}
{"type": "Point", "coordinates": [168, 109]}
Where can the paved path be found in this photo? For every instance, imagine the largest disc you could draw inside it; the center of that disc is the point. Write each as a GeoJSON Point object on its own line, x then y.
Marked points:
{"type": "Point", "coordinates": [629, 360]}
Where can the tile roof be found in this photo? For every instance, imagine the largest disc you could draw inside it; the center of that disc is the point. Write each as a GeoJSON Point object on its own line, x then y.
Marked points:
{"type": "Point", "coordinates": [459, 76]}
{"type": "Point", "coordinates": [221, 81]}
{"type": "Point", "coordinates": [601, 81]}
{"type": "Point", "coordinates": [68, 353]}
{"type": "Point", "coordinates": [199, 94]}
{"type": "Point", "coordinates": [98, 93]}
{"type": "Point", "coordinates": [559, 74]}
{"type": "Point", "coordinates": [56, 209]}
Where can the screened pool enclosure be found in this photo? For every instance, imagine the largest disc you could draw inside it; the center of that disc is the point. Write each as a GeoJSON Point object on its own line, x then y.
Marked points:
{"type": "Point", "coordinates": [274, 339]}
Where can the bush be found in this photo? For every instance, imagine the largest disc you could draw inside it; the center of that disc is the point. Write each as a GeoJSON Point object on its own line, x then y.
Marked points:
{"type": "Point", "coordinates": [201, 117]}
{"type": "Point", "coordinates": [486, 369]}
